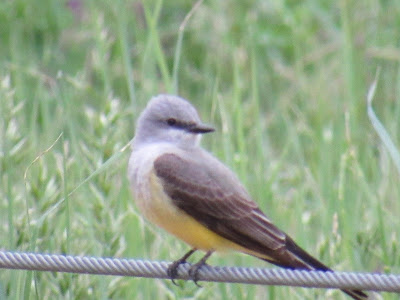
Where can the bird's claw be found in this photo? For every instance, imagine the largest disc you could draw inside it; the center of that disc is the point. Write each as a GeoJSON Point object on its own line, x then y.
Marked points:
{"type": "Point", "coordinates": [172, 270]}
{"type": "Point", "coordinates": [194, 272]}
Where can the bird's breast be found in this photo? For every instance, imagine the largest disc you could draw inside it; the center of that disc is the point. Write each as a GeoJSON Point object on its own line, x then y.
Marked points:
{"type": "Point", "coordinates": [158, 207]}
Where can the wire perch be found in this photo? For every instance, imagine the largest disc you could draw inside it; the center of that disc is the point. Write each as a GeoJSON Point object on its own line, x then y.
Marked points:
{"type": "Point", "coordinates": [154, 269]}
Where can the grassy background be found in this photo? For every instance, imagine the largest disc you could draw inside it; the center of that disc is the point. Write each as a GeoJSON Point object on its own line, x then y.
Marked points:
{"type": "Point", "coordinates": [284, 82]}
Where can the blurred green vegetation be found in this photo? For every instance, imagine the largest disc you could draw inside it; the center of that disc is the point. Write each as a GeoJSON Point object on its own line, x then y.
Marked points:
{"type": "Point", "coordinates": [284, 82]}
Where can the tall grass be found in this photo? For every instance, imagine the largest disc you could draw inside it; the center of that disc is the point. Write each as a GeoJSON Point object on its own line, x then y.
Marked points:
{"type": "Point", "coordinates": [284, 82]}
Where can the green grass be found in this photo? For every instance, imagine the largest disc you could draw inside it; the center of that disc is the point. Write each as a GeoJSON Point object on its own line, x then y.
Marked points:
{"type": "Point", "coordinates": [285, 83]}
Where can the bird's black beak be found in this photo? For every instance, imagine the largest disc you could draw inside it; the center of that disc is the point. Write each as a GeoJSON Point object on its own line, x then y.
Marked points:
{"type": "Point", "coordinates": [201, 128]}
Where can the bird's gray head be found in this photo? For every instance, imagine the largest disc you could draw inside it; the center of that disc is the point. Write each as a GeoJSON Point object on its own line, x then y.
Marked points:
{"type": "Point", "coordinates": [170, 119]}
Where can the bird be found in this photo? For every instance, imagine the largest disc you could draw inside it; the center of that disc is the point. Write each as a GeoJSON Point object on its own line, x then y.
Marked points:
{"type": "Point", "coordinates": [184, 189]}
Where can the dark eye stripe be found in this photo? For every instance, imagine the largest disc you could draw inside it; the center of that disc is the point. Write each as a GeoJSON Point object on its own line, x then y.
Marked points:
{"type": "Point", "coordinates": [171, 121]}
{"type": "Point", "coordinates": [178, 124]}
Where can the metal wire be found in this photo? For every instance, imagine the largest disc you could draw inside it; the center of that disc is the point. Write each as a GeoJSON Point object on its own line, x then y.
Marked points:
{"type": "Point", "coordinates": [154, 269]}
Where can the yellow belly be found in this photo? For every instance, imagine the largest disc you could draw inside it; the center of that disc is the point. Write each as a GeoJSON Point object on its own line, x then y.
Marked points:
{"type": "Point", "coordinates": [160, 210]}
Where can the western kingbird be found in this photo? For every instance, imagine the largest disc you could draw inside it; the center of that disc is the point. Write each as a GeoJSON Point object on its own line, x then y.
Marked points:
{"type": "Point", "coordinates": [188, 192]}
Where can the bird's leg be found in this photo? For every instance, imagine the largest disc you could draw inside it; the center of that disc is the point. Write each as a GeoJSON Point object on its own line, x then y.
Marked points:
{"type": "Point", "coordinates": [194, 270]}
{"type": "Point", "coordinates": [172, 270]}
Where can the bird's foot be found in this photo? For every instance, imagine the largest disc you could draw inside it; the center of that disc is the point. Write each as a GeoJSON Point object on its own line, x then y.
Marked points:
{"type": "Point", "coordinates": [194, 269]}
{"type": "Point", "coordinates": [194, 272]}
{"type": "Point", "coordinates": [172, 270]}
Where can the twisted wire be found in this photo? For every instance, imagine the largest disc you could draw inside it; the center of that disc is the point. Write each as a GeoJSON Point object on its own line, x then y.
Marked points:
{"type": "Point", "coordinates": [154, 269]}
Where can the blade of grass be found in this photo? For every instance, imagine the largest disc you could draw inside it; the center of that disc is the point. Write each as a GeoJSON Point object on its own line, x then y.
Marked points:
{"type": "Point", "coordinates": [378, 126]}
{"type": "Point", "coordinates": [102, 168]}
{"type": "Point", "coordinates": [127, 63]}
{"type": "Point", "coordinates": [178, 49]}
{"type": "Point", "coordinates": [152, 20]}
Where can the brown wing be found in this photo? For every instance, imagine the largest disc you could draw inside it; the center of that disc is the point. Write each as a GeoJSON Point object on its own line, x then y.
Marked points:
{"type": "Point", "coordinates": [215, 198]}
{"type": "Point", "coordinates": [211, 194]}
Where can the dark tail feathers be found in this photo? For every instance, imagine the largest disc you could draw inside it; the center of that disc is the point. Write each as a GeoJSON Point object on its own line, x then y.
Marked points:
{"type": "Point", "coordinates": [303, 260]}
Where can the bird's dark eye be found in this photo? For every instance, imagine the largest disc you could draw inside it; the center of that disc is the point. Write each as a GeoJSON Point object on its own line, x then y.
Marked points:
{"type": "Point", "coordinates": [171, 121]}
